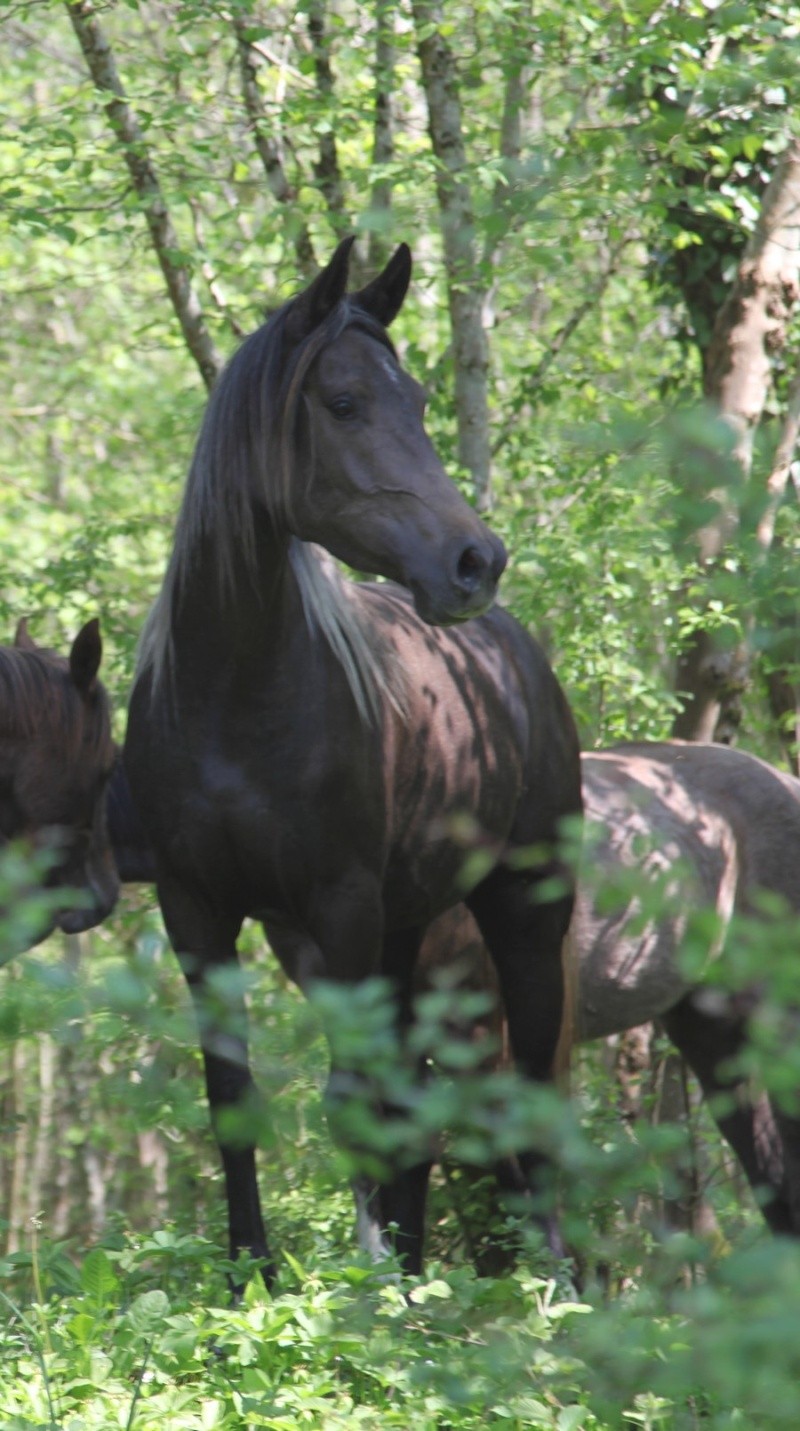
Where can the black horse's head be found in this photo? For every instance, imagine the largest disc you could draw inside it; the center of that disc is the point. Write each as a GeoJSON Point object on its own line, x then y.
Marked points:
{"type": "Point", "coordinates": [358, 473]}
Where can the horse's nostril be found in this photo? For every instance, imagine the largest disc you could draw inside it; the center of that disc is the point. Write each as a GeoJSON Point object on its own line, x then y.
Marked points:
{"type": "Point", "coordinates": [471, 568]}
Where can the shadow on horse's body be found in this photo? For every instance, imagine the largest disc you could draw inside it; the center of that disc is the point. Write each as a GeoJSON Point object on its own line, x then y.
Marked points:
{"type": "Point", "coordinates": [713, 826]}
{"type": "Point", "coordinates": [56, 756]}
{"type": "Point", "coordinates": [320, 755]}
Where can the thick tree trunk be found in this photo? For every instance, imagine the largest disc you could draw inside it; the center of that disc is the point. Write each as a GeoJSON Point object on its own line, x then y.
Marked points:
{"type": "Point", "coordinates": [783, 660]}
{"type": "Point", "coordinates": [464, 288]}
{"type": "Point", "coordinates": [750, 328]}
{"type": "Point", "coordinates": [125, 124]}
{"type": "Point", "coordinates": [751, 325]}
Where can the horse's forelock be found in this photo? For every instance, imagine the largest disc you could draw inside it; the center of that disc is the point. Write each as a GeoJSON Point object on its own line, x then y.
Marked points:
{"type": "Point", "coordinates": [346, 314]}
{"type": "Point", "coordinates": [247, 439]}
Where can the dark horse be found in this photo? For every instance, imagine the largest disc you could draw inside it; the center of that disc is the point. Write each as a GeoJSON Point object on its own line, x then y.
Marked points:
{"type": "Point", "coordinates": [316, 754]}
{"type": "Point", "coordinates": [675, 829]}
{"type": "Point", "coordinates": [56, 755]}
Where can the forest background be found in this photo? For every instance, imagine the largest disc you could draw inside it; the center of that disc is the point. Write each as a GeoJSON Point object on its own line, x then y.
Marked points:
{"type": "Point", "coordinates": [602, 203]}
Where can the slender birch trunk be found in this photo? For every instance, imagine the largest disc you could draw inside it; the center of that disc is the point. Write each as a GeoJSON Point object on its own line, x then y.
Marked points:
{"type": "Point", "coordinates": [326, 169]}
{"type": "Point", "coordinates": [269, 148]}
{"type": "Point", "coordinates": [383, 134]}
{"type": "Point", "coordinates": [17, 1198]}
{"type": "Point", "coordinates": [465, 290]}
{"type": "Point", "coordinates": [125, 124]}
{"type": "Point", "coordinates": [40, 1179]}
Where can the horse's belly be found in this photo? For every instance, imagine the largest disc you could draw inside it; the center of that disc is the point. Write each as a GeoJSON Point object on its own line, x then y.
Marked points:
{"type": "Point", "coordinates": [626, 976]}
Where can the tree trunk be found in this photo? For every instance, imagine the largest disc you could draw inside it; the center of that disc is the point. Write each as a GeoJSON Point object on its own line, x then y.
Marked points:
{"type": "Point", "coordinates": [41, 1169]}
{"type": "Point", "coordinates": [17, 1197]}
{"type": "Point", "coordinates": [464, 287]}
{"type": "Point", "coordinates": [125, 124]}
{"type": "Point", "coordinates": [783, 660]}
{"type": "Point", "coordinates": [383, 134]}
{"type": "Point", "coordinates": [327, 169]}
{"type": "Point", "coordinates": [268, 147]}
{"type": "Point", "coordinates": [750, 329]}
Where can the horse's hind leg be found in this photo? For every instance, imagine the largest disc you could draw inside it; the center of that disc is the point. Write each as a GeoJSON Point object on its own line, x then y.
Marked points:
{"type": "Point", "coordinates": [757, 1135]}
{"type": "Point", "coordinates": [525, 937]}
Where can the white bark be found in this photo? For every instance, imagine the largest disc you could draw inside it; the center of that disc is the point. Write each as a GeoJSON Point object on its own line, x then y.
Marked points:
{"type": "Point", "coordinates": [269, 148]}
{"type": "Point", "coordinates": [464, 289]}
{"type": "Point", "coordinates": [125, 124]}
{"type": "Point", "coordinates": [750, 329]}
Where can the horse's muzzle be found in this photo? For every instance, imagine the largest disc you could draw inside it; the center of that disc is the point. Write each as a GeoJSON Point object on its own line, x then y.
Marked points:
{"type": "Point", "coordinates": [466, 588]}
{"type": "Point", "coordinates": [78, 920]}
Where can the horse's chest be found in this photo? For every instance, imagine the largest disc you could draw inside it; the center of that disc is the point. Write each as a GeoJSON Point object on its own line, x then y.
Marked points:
{"type": "Point", "coordinates": [270, 829]}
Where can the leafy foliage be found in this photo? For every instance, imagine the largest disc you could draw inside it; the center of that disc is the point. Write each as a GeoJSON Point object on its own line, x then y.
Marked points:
{"type": "Point", "coordinates": [606, 236]}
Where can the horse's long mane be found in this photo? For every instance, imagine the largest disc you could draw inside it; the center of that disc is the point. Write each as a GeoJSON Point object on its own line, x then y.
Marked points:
{"type": "Point", "coordinates": [38, 700]}
{"type": "Point", "coordinates": [245, 458]}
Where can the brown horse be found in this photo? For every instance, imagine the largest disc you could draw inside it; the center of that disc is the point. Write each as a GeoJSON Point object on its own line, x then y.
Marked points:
{"type": "Point", "coordinates": [56, 755]}
{"type": "Point", "coordinates": [712, 827]}
{"type": "Point", "coordinates": [320, 755]}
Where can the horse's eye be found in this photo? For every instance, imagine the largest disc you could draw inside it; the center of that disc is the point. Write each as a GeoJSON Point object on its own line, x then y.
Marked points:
{"type": "Point", "coordinates": [343, 406]}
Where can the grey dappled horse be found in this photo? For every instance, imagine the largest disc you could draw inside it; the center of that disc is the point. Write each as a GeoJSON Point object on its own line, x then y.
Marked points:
{"type": "Point", "coordinates": [704, 827]}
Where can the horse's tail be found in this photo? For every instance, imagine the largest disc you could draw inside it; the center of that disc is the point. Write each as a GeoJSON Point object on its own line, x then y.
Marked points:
{"type": "Point", "coordinates": [566, 1034]}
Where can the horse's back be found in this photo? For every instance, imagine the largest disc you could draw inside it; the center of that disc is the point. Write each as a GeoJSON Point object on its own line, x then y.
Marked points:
{"type": "Point", "coordinates": [686, 783]}
{"type": "Point", "coordinates": [710, 825]}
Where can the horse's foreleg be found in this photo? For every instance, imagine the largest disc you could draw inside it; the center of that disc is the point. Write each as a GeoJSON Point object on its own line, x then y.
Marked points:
{"type": "Point", "coordinates": [404, 1195]}
{"type": "Point", "coordinates": [206, 943]}
{"type": "Point", "coordinates": [231, 1098]}
{"type": "Point", "coordinates": [354, 948]}
{"type": "Point", "coordinates": [757, 1135]}
{"type": "Point", "coordinates": [525, 939]}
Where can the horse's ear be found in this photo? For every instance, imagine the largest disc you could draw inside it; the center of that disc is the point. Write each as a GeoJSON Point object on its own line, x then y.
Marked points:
{"type": "Point", "coordinates": [22, 637]}
{"type": "Point", "coordinates": [383, 297]}
{"type": "Point", "coordinates": [84, 658]}
{"type": "Point", "coordinates": [312, 307]}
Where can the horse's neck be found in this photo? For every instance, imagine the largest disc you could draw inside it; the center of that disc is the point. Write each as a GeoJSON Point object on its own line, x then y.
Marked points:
{"type": "Point", "coordinates": [248, 616]}
{"type": "Point", "coordinates": [283, 611]}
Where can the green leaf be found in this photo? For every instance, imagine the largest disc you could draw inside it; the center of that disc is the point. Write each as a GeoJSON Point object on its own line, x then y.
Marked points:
{"type": "Point", "coordinates": [148, 1311]}
{"type": "Point", "coordinates": [98, 1277]}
